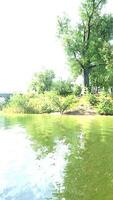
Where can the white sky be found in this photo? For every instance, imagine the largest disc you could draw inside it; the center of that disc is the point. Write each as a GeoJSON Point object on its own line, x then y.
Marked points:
{"type": "Point", "coordinates": [28, 40]}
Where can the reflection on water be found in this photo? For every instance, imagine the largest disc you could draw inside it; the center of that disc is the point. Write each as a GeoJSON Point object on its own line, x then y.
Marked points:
{"type": "Point", "coordinates": [56, 157]}
{"type": "Point", "coordinates": [22, 176]}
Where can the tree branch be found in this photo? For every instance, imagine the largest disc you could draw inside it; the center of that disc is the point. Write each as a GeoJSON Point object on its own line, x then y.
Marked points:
{"type": "Point", "coordinates": [82, 66]}
{"type": "Point", "coordinates": [91, 66]}
{"type": "Point", "coordinates": [89, 24]}
{"type": "Point", "coordinates": [98, 4]}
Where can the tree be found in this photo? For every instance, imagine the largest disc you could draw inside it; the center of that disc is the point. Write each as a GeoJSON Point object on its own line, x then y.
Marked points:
{"type": "Point", "coordinates": [85, 42]}
{"type": "Point", "coordinates": [42, 81]}
{"type": "Point", "coordinates": [63, 87]}
{"type": "Point", "coordinates": [103, 77]}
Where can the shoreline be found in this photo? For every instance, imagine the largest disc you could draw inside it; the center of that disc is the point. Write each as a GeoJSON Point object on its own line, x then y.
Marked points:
{"type": "Point", "coordinates": [77, 112]}
{"type": "Point", "coordinates": [68, 113]}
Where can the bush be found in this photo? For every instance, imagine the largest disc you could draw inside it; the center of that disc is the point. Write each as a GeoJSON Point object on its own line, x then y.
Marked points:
{"type": "Point", "coordinates": [44, 103]}
{"type": "Point", "coordinates": [77, 90]}
{"type": "Point", "coordinates": [63, 103]}
{"type": "Point", "coordinates": [105, 107]}
{"type": "Point", "coordinates": [63, 88]}
{"type": "Point", "coordinates": [93, 100]}
{"type": "Point", "coordinates": [17, 104]}
{"type": "Point", "coordinates": [37, 104]}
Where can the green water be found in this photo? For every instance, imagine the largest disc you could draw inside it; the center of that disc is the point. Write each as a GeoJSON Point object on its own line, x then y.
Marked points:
{"type": "Point", "coordinates": [56, 157]}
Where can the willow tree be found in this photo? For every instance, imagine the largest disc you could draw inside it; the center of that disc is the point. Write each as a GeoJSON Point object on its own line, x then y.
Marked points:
{"type": "Point", "coordinates": [84, 42]}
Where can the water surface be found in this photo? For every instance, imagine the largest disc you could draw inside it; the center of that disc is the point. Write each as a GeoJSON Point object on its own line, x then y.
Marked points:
{"type": "Point", "coordinates": [49, 157]}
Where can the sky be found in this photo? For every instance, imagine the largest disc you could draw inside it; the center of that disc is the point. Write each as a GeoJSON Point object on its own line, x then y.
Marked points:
{"type": "Point", "coordinates": [28, 41]}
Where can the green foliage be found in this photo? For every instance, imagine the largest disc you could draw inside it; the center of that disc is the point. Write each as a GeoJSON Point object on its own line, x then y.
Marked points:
{"type": "Point", "coordinates": [37, 104]}
{"type": "Point", "coordinates": [30, 104]}
{"type": "Point", "coordinates": [17, 103]}
{"type": "Point", "coordinates": [51, 102]}
{"type": "Point", "coordinates": [93, 99]}
{"type": "Point", "coordinates": [87, 45]}
{"type": "Point", "coordinates": [44, 103]}
{"type": "Point", "coordinates": [42, 81]}
{"type": "Point", "coordinates": [105, 106]}
{"type": "Point", "coordinates": [63, 88]}
{"type": "Point", "coordinates": [77, 90]}
{"type": "Point", "coordinates": [102, 76]}
{"type": "Point", "coordinates": [63, 103]}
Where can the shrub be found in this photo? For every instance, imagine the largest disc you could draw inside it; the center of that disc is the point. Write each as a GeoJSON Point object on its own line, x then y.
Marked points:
{"type": "Point", "coordinates": [41, 103]}
{"type": "Point", "coordinates": [106, 107]}
{"type": "Point", "coordinates": [17, 104]}
{"type": "Point", "coordinates": [93, 100]}
{"type": "Point", "coordinates": [63, 103]}
{"type": "Point", "coordinates": [44, 102]}
{"type": "Point", "coordinates": [63, 88]}
{"type": "Point", "coordinates": [77, 90]}
{"type": "Point", "coordinates": [37, 104]}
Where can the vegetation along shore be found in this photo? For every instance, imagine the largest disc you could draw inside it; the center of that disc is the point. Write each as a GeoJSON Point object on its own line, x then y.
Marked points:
{"type": "Point", "coordinates": [46, 95]}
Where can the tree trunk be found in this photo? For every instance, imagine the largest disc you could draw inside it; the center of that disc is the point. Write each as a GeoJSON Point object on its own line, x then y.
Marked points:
{"type": "Point", "coordinates": [97, 90]}
{"type": "Point", "coordinates": [111, 90]}
{"type": "Point", "coordinates": [86, 78]}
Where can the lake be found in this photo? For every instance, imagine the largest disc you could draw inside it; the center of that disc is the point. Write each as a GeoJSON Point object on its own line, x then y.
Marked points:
{"type": "Point", "coordinates": [47, 157]}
